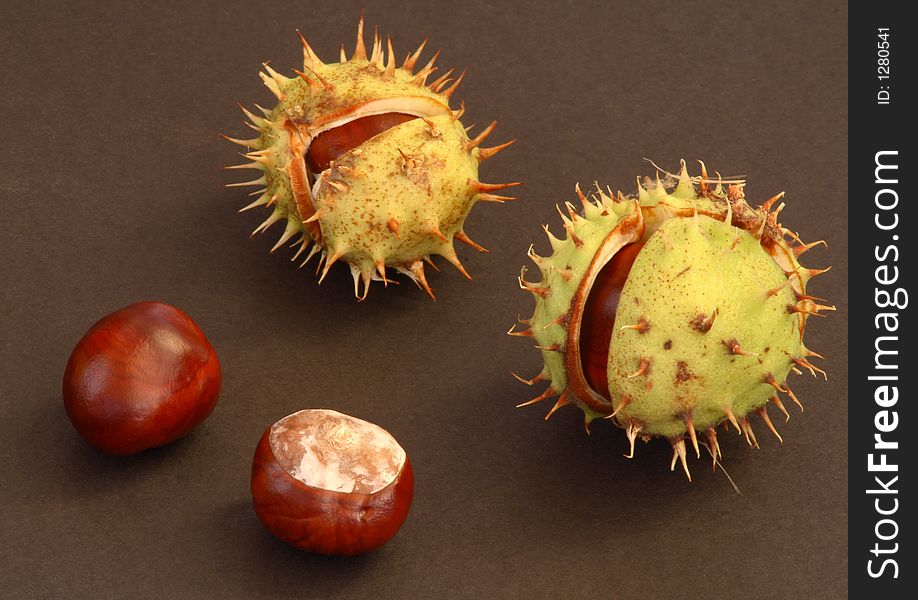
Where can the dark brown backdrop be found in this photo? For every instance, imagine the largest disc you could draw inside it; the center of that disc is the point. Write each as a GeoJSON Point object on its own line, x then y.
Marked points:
{"type": "Point", "coordinates": [113, 192]}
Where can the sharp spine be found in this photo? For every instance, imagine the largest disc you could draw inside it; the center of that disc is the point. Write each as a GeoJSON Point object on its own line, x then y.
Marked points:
{"type": "Point", "coordinates": [690, 427]}
{"type": "Point", "coordinates": [480, 186]}
{"type": "Point", "coordinates": [713, 446]}
{"type": "Point", "coordinates": [632, 432]}
{"type": "Point", "coordinates": [465, 239]}
{"type": "Point", "coordinates": [360, 49]}
{"type": "Point", "coordinates": [763, 412]}
{"type": "Point", "coordinates": [563, 401]}
{"type": "Point", "coordinates": [289, 231]}
{"type": "Point", "coordinates": [482, 136]}
{"type": "Point", "coordinates": [548, 393]}
{"type": "Point", "coordinates": [749, 433]}
{"type": "Point", "coordinates": [530, 382]}
{"type": "Point", "coordinates": [679, 454]}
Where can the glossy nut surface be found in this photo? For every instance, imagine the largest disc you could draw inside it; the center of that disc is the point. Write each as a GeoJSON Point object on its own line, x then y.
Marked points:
{"type": "Point", "coordinates": [599, 316]}
{"type": "Point", "coordinates": [141, 377]}
{"type": "Point", "coordinates": [330, 144]}
{"type": "Point", "coordinates": [328, 483]}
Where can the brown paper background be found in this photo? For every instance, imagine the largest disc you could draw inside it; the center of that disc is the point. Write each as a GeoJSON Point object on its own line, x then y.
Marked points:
{"type": "Point", "coordinates": [112, 192]}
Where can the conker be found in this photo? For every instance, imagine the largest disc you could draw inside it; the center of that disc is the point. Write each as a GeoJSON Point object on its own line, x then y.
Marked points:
{"type": "Point", "coordinates": [599, 316]}
{"type": "Point", "coordinates": [332, 143]}
{"type": "Point", "coordinates": [329, 483]}
{"type": "Point", "coordinates": [141, 377]}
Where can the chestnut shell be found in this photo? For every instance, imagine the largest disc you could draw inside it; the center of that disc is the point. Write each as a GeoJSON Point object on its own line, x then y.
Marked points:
{"type": "Point", "coordinates": [141, 377]}
{"type": "Point", "coordinates": [330, 144]}
{"type": "Point", "coordinates": [324, 521]}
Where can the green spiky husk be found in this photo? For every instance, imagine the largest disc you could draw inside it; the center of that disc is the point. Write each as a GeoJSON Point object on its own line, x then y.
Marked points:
{"type": "Point", "coordinates": [393, 201]}
{"type": "Point", "coordinates": [709, 323]}
{"type": "Point", "coordinates": [702, 288]}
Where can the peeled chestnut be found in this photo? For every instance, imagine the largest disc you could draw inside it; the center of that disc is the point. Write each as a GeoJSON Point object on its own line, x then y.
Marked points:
{"type": "Point", "coordinates": [329, 483]}
{"type": "Point", "coordinates": [141, 377]}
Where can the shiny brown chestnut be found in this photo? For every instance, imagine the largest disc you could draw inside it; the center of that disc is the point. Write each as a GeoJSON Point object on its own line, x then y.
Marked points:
{"type": "Point", "coordinates": [599, 316]}
{"type": "Point", "coordinates": [141, 377]}
{"type": "Point", "coordinates": [332, 143]}
{"type": "Point", "coordinates": [329, 483]}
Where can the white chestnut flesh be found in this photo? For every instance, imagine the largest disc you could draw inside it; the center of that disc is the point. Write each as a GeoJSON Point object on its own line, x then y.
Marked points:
{"type": "Point", "coordinates": [331, 483]}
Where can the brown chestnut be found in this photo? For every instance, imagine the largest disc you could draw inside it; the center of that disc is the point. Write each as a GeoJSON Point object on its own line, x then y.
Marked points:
{"type": "Point", "coordinates": [329, 483]}
{"type": "Point", "coordinates": [141, 377]}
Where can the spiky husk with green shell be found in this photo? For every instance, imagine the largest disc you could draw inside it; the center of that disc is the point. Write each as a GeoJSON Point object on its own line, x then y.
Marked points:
{"type": "Point", "coordinates": [396, 199]}
{"type": "Point", "coordinates": [710, 320]}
